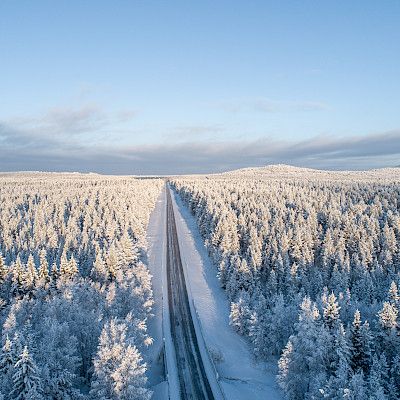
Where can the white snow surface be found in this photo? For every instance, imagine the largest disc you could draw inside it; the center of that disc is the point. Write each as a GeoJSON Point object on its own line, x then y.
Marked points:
{"type": "Point", "coordinates": [241, 377]}
{"type": "Point", "coordinates": [156, 255]}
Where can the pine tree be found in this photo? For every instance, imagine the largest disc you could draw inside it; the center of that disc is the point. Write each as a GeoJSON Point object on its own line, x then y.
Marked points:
{"type": "Point", "coordinates": [239, 316]}
{"type": "Point", "coordinates": [388, 316]}
{"type": "Point", "coordinates": [393, 295]}
{"type": "Point", "coordinates": [99, 271]}
{"type": "Point", "coordinates": [17, 278]}
{"type": "Point", "coordinates": [72, 269]}
{"type": "Point", "coordinates": [127, 254]}
{"type": "Point", "coordinates": [3, 270]}
{"type": "Point", "coordinates": [331, 311]}
{"type": "Point", "coordinates": [378, 379]}
{"type": "Point", "coordinates": [394, 381]}
{"type": "Point", "coordinates": [112, 263]}
{"type": "Point", "coordinates": [306, 357]}
{"type": "Point", "coordinates": [357, 387]}
{"type": "Point", "coordinates": [360, 345]}
{"type": "Point", "coordinates": [57, 353]}
{"type": "Point", "coordinates": [55, 274]}
{"type": "Point", "coordinates": [119, 371]}
{"type": "Point", "coordinates": [44, 268]}
{"type": "Point", "coordinates": [388, 330]}
{"type": "Point", "coordinates": [27, 385]}
{"type": "Point", "coordinates": [63, 271]}
{"type": "Point", "coordinates": [7, 360]}
{"type": "Point", "coordinates": [30, 275]}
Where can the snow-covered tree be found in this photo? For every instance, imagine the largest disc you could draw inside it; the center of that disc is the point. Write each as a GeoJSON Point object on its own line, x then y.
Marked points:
{"type": "Point", "coordinates": [306, 355]}
{"type": "Point", "coordinates": [119, 369]}
{"type": "Point", "coordinates": [26, 379]}
{"type": "Point", "coordinates": [65, 221]}
{"type": "Point", "coordinates": [360, 344]}
{"type": "Point", "coordinates": [331, 311]}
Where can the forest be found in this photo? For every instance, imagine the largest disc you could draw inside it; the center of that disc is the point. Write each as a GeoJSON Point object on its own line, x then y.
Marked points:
{"type": "Point", "coordinates": [311, 266]}
{"type": "Point", "coordinates": [75, 292]}
{"type": "Point", "coordinates": [309, 261]}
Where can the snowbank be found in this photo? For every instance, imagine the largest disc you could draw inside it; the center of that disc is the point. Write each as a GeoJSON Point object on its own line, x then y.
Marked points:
{"type": "Point", "coordinates": [240, 376]}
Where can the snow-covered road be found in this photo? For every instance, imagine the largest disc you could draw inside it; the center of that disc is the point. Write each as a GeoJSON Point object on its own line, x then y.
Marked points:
{"type": "Point", "coordinates": [226, 356]}
{"type": "Point", "coordinates": [193, 378]}
{"type": "Point", "coordinates": [241, 377]}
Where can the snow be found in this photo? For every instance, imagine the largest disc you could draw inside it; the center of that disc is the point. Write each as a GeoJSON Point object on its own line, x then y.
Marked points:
{"type": "Point", "coordinates": [241, 377]}
{"type": "Point", "coordinates": [159, 329]}
{"type": "Point", "coordinates": [283, 171]}
{"type": "Point", "coordinates": [155, 253]}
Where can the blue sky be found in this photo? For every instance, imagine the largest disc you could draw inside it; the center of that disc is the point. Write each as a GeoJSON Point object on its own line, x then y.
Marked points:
{"type": "Point", "coordinates": [181, 86]}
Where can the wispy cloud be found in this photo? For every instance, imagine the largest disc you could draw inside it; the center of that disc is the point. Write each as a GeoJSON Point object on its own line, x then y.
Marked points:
{"type": "Point", "coordinates": [266, 105]}
{"type": "Point", "coordinates": [195, 132]}
{"type": "Point", "coordinates": [127, 115]}
{"type": "Point", "coordinates": [23, 151]}
{"type": "Point", "coordinates": [67, 121]}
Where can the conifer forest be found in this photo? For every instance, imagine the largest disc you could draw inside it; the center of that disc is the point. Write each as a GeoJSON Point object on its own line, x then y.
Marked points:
{"type": "Point", "coordinates": [311, 266]}
{"type": "Point", "coordinates": [75, 294]}
{"type": "Point", "coordinates": [199, 200]}
{"type": "Point", "coordinates": [308, 261]}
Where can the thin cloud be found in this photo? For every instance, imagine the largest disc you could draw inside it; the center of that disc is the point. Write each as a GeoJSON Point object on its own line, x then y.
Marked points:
{"type": "Point", "coordinates": [127, 115]}
{"type": "Point", "coordinates": [266, 105]}
{"type": "Point", "coordinates": [62, 121]}
{"type": "Point", "coordinates": [68, 121]}
{"type": "Point", "coordinates": [23, 151]}
{"type": "Point", "coordinates": [195, 132]}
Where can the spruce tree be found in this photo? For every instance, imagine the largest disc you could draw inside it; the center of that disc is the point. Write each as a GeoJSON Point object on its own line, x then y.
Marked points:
{"type": "Point", "coordinates": [378, 379]}
{"type": "Point", "coordinates": [7, 360]}
{"type": "Point", "coordinates": [26, 379]}
{"type": "Point", "coordinates": [393, 295]}
{"type": "Point", "coordinates": [357, 387]}
{"type": "Point", "coordinates": [331, 311]}
{"type": "Point", "coordinates": [388, 333]}
{"type": "Point", "coordinates": [394, 381]}
{"type": "Point", "coordinates": [239, 316]}
{"type": "Point", "coordinates": [30, 275]}
{"type": "Point", "coordinates": [17, 279]}
{"type": "Point", "coordinates": [360, 345]}
{"type": "Point", "coordinates": [306, 357]}
{"type": "Point", "coordinates": [44, 268]}
{"type": "Point", "coordinates": [72, 269]}
{"type": "Point", "coordinates": [3, 270]}
{"type": "Point", "coordinates": [99, 270]}
{"type": "Point", "coordinates": [119, 370]}
{"type": "Point", "coordinates": [55, 274]}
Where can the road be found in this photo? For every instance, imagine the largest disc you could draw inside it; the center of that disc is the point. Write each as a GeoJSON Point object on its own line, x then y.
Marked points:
{"type": "Point", "coordinates": [193, 381]}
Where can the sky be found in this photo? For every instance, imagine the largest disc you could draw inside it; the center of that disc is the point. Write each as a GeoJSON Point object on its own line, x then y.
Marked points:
{"type": "Point", "coordinates": [168, 87]}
